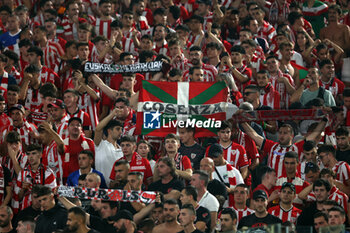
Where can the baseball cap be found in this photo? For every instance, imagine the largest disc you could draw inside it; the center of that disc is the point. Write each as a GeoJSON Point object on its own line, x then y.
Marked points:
{"type": "Point", "coordinates": [259, 194]}
{"type": "Point", "coordinates": [288, 185]}
{"type": "Point", "coordinates": [17, 107]}
{"type": "Point", "coordinates": [123, 214]}
{"type": "Point", "coordinates": [57, 104]}
{"type": "Point", "coordinates": [215, 150]}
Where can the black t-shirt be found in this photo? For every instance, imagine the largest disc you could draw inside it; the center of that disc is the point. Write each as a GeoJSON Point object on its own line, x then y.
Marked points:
{"type": "Point", "coordinates": [166, 188]}
{"type": "Point", "coordinates": [343, 156]}
{"type": "Point", "coordinates": [253, 221]}
{"type": "Point", "coordinates": [195, 153]}
{"type": "Point", "coordinates": [101, 225]}
{"type": "Point", "coordinates": [203, 215]}
{"type": "Point", "coordinates": [195, 231]}
{"type": "Point", "coordinates": [93, 231]}
{"type": "Point", "coordinates": [217, 188]}
{"type": "Point", "coordinates": [127, 206]}
{"type": "Point", "coordinates": [7, 179]}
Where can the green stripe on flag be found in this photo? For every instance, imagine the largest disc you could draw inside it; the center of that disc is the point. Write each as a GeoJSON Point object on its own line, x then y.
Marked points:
{"type": "Point", "coordinates": [302, 74]}
{"type": "Point", "coordinates": [159, 93]}
{"type": "Point", "coordinates": [208, 93]}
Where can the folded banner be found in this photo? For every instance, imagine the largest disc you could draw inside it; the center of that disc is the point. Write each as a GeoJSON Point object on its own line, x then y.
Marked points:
{"type": "Point", "coordinates": [107, 194]}
{"type": "Point", "coordinates": [165, 106]}
{"type": "Point", "coordinates": [279, 115]}
{"type": "Point", "coordinates": [92, 67]}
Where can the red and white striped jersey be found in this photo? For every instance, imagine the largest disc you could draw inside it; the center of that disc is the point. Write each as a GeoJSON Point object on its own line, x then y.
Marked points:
{"type": "Point", "coordinates": [88, 105]}
{"type": "Point", "coordinates": [39, 18]}
{"type": "Point", "coordinates": [192, 38]}
{"type": "Point", "coordinates": [281, 87]}
{"type": "Point", "coordinates": [43, 176]}
{"type": "Point", "coordinates": [103, 27]}
{"type": "Point", "coordinates": [24, 133]}
{"type": "Point", "coordinates": [270, 97]}
{"type": "Point", "coordinates": [266, 31]}
{"type": "Point", "coordinates": [207, 19]}
{"type": "Point", "coordinates": [247, 142]}
{"type": "Point", "coordinates": [142, 24]}
{"type": "Point", "coordinates": [52, 159]}
{"type": "Point", "coordinates": [62, 130]}
{"type": "Point", "coordinates": [70, 30]}
{"type": "Point", "coordinates": [38, 116]}
{"type": "Point", "coordinates": [22, 64]}
{"type": "Point", "coordinates": [161, 49]}
{"type": "Point", "coordinates": [290, 215]}
{"type": "Point", "coordinates": [4, 79]}
{"type": "Point", "coordinates": [6, 161]}
{"type": "Point", "coordinates": [230, 176]}
{"type": "Point", "coordinates": [335, 86]}
{"type": "Point", "coordinates": [16, 74]}
{"type": "Point", "coordinates": [276, 151]}
{"type": "Point", "coordinates": [5, 121]}
{"type": "Point", "coordinates": [342, 171]}
{"type": "Point", "coordinates": [182, 64]}
{"type": "Point", "coordinates": [14, 48]}
{"type": "Point", "coordinates": [129, 45]}
{"type": "Point", "coordinates": [242, 212]}
{"type": "Point", "coordinates": [236, 155]}
{"type": "Point", "coordinates": [85, 118]}
{"type": "Point", "coordinates": [245, 71]}
{"type": "Point", "coordinates": [33, 98]}
{"type": "Point", "coordinates": [48, 75]}
{"type": "Point", "coordinates": [210, 73]}
{"type": "Point", "coordinates": [298, 182]}
{"type": "Point", "coordinates": [52, 54]}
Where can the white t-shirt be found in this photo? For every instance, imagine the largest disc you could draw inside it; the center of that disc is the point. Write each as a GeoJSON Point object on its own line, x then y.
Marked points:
{"type": "Point", "coordinates": [106, 155]}
{"type": "Point", "coordinates": [210, 202]}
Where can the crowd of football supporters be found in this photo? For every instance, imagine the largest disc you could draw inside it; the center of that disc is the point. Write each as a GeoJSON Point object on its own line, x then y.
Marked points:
{"type": "Point", "coordinates": [62, 126]}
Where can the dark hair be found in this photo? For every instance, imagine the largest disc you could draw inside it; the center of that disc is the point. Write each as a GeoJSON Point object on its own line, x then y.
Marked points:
{"type": "Point", "coordinates": [336, 8]}
{"type": "Point", "coordinates": [33, 147]}
{"type": "Point", "coordinates": [112, 204]}
{"type": "Point", "coordinates": [193, 68]}
{"type": "Point", "coordinates": [159, 11]}
{"type": "Point", "coordinates": [6, 8]}
{"type": "Point", "coordinates": [294, 16]}
{"type": "Point", "coordinates": [252, 87]}
{"type": "Point", "coordinates": [321, 214]}
{"type": "Point", "coordinates": [79, 212]}
{"type": "Point", "coordinates": [104, 1]}
{"type": "Point", "coordinates": [310, 166]}
{"type": "Point", "coordinates": [145, 54]}
{"type": "Point", "coordinates": [342, 131]}
{"type": "Point", "coordinates": [113, 123]}
{"type": "Point", "coordinates": [191, 191]}
{"type": "Point", "coordinates": [326, 149]}
{"type": "Point", "coordinates": [202, 176]}
{"type": "Point", "coordinates": [14, 88]}
{"type": "Point", "coordinates": [230, 212]}
{"type": "Point", "coordinates": [265, 170]}
{"type": "Point", "coordinates": [116, 24]}
{"type": "Point", "coordinates": [249, 42]}
{"type": "Point", "coordinates": [123, 100]}
{"type": "Point", "coordinates": [32, 69]}
{"type": "Point", "coordinates": [309, 145]}
{"type": "Point", "coordinates": [324, 62]}
{"type": "Point", "coordinates": [88, 153]}
{"type": "Point", "coordinates": [292, 155]}
{"type": "Point", "coordinates": [80, 44]}
{"type": "Point", "coordinates": [190, 208]}
{"type": "Point", "coordinates": [197, 17]}
{"type": "Point", "coordinates": [171, 202]}
{"type": "Point", "coordinates": [48, 90]}
{"type": "Point", "coordinates": [327, 171]}
{"type": "Point", "coordinates": [213, 45]}
{"type": "Point", "coordinates": [288, 126]}
{"type": "Point", "coordinates": [346, 92]}
{"type": "Point", "coordinates": [238, 49]}
{"type": "Point", "coordinates": [175, 11]}
{"type": "Point", "coordinates": [338, 209]}
{"type": "Point", "coordinates": [195, 48]}
{"type": "Point", "coordinates": [182, 27]}
{"type": "Point", "coordinates": [173, 72]}
{"type": "Point", "coordinates": [121, 162]}
{"type": "Point", "coordinates": [82, 177]}
{"type": "Point", "coordinates": [24, 42]}
{"type": "Point", "coordinates": [44, 190]}
{"type": "Point", "coordinates": [34, 49]}
{"type": "Point", "coordinates": [13, 136]}
{"type": "Point", "coordinates": [320, 183]}
{"type": "Point", "coordinates": [225, 125]}
{"type": "Point", "coordinates": [128, 138]}
{"type": "Point", "coordinates": [11, 55]}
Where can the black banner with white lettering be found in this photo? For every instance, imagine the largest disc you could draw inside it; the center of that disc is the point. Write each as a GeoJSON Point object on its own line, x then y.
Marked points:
{"type": "Point", "coordinates": [92, 67]}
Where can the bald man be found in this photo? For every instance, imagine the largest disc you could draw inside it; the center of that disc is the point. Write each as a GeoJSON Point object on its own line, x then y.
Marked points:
{"type": "Point", "coordinates": [215, 187]}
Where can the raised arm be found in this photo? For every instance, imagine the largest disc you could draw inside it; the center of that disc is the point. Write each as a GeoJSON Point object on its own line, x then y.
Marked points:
{"type": "Point", "coordinates": [100, 126]}
{"type": "Point", "coordinates": [106, 89]}
{"type": "Point", "coordinates": [252, 134]}
{"type": "Point", "coordinates": [55, 136]}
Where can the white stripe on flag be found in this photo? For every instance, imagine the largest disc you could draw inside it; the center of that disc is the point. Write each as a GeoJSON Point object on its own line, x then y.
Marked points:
{"type": "Point", "coordinates": [183, 90]}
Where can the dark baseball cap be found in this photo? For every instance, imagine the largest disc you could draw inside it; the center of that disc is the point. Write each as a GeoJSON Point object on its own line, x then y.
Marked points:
{"type": "Point", "coordinates": [122, 214]}
{"type": "Point", "coordinates": [57, 104]}
{"type": "Point", "coordinates": [215, 150]}
{"type": "Point", "coordinates": [260, 194]}
{"type": "Point", "coordinates": [288, 185]}
{"type": "Point", "coordinates": [17, 107]}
